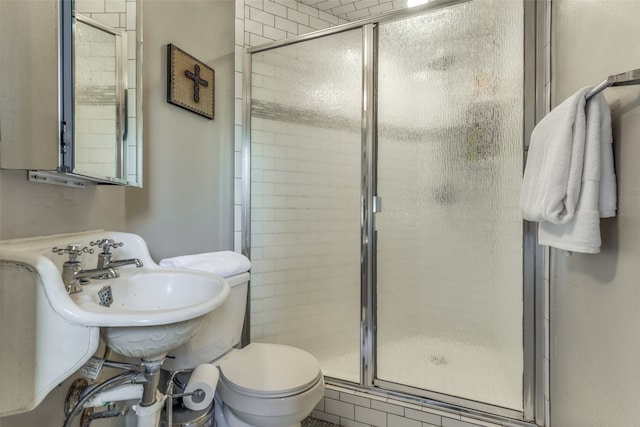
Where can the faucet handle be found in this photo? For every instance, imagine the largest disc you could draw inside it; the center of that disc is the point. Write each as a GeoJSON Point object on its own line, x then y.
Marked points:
{"type": "Point", "coordinates": [106, 244]}
{"type": "Point", "coordinates": [73, 249]}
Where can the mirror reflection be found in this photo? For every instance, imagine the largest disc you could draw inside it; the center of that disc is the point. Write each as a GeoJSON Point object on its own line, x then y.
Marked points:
{"type": "Point", "coordinates": [106, 138]}
{"type": "Point", "coordinates": [99, 83]}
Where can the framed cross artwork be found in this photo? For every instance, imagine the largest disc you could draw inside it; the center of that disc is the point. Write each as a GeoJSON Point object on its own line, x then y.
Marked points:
{"type": "Point", "coordinates": [190, 83]}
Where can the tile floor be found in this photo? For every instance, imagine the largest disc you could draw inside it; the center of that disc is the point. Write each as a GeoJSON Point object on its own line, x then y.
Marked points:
{"type": "Point", "coordinates": [312, 422]}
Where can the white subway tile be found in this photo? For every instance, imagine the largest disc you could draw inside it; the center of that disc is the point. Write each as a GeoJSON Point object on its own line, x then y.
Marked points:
{"type": "Point", "coordinates": [356, 400]}
{"type": "Point", "coordinates": [298, 17]}
{"type": "Point", "coordinates": [239, 9]}
{"type": "Point", "coordinates": [274, 33]}
{"type": "Point", "coordinates": [239, 37]}
{"type": "Point", "coordinates": [253, 3]}
{"type": "Point", "coordinates": [253, 27]}
{"type": "Point", "coordinates": [132, 15]}
{"type": "Point", "coordinates": [479, 422]}
{"type": "Point", "coordinates": [275, 8]}
{"type": "Point", "coordinates": [422, 416]}
{"type": "Point", "coordinates": [331, 393]}
{"type": "Point", "coordinates": [332, 19]}
{"type": "Point", "coordinates": [118, 6]}
{"type": "Point", "coordinates": [365, 4]}
{"type": "Point", "coordinates": [328, 4]}
{"type": "Point", "coordinates": [286, 25]}
{"type": "Point", "coordinates": [262, 17]}
{"type": "Point", "coordinates": [303, 29]}
{"type": "Point", "coordinates": [387, 407]}
{"type": "Point", "coordinates": [441, 413]}
{"type": "Point", "coordinates": [110, 19]}
{"type": "Point", "coordinates": [89, 6]}
{"type": "Point", "coordinates": [448, 422]}
{"type": "Point", "coordinates": [381, 8]}
{"type": "Point", "coordinates": [345, 422]}
{"type": "Point", "coordinates": [358, 14]}
{"type": "Point", "coordinates": [396, 421]}
{"type": "Point", "coordinates": [255, 40]}
{"type": "Point", "coordinates": [307, 10]}
{"type": "Point", "coordinates": [339, 408]}
{"type": "Point", "coordinates": [371, 416]}
{"type": "Point", "coordinates": [342, 10]}
{"type": "Point", "coordinates": [318, 24]}
{"type": "Point", "coordinates": [292, 4]}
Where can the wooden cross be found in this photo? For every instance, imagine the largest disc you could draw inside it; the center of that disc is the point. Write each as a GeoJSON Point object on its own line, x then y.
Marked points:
{"type": "Point", "coordinates": [197, 81]}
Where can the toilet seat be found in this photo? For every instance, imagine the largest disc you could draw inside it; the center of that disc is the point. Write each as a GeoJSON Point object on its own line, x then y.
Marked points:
{"type": "Point", "coordinates": [270, 371]}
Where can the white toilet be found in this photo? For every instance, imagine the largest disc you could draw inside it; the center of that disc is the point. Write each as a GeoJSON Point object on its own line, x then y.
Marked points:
{"type": "Point", "coordinates": [260, 385]}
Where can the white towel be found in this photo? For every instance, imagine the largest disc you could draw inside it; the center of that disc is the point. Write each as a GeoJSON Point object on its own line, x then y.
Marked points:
{"type": "Point", "coordinates": [569, 181]}
{"type": "Point", "coordinates": [223, 263]}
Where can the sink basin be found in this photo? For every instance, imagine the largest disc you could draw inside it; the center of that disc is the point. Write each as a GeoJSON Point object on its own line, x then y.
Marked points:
{"type": "Point", "coordinates": [53, 333]}
{"type": "Point", "coordinates": [153, 311]}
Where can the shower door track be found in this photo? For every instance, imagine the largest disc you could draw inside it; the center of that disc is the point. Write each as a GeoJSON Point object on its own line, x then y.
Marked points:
{"type": "Point", "coordinates": [535, 375]}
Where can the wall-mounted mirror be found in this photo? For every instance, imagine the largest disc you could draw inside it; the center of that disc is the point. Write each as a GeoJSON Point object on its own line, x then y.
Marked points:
{"type": "Point", "coordinates": [99, 100]}
{"type": "Point", "coordinates": [101, 109]}
{"type": "Point", "coordinates": [73, 90]}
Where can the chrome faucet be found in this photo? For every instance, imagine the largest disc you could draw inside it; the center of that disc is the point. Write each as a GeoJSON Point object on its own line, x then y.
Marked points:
{"type": "Point", "coordinates": [104, 258]}
{"type": "Point", "coordinates": [72, 273]}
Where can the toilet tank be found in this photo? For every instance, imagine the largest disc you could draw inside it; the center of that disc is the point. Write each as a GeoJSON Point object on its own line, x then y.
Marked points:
{"type": "Point", "coordinates": [219, 332]}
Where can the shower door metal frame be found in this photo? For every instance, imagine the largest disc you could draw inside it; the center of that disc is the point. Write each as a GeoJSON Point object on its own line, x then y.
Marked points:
{"type": "Point", "coordinates": [535, 337]}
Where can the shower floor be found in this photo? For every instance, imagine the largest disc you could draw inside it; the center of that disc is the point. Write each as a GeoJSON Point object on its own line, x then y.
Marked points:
{"type": "Point", "coordinates": [471, 371]}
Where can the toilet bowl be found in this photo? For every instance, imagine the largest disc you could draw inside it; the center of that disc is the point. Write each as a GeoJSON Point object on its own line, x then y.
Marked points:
{"type": "Point", "coordinates": [260, 385]}
{"type": "Point", "coordinates": [267, 385]}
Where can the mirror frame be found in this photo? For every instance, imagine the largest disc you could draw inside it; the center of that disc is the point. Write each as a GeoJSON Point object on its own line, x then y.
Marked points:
{"type": "Point", "coordinates": [66, 101]}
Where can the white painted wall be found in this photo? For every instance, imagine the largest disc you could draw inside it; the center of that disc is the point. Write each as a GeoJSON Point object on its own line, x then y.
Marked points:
{"type": "Point", "coordinates": [595, 315]}
{"type": "Point", "coordinates": [186, 204]}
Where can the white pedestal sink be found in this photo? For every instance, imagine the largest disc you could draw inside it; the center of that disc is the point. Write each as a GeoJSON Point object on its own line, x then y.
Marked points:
{"type": "Point", "coordinates": [153, 311]}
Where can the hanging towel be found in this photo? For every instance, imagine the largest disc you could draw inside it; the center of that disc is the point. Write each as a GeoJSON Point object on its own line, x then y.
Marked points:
{"type": "Point", "coordinates": [223, 263]}
{"type": "Point", "coordinates": [569, 180]}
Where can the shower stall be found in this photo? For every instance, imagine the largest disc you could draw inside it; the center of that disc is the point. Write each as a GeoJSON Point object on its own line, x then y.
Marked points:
{"type": "Point", "coordinates": [384, 160]}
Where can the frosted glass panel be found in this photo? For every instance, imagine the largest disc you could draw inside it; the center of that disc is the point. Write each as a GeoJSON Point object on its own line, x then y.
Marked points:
{"type": "Point", "coordinates": [449, 289]}
{"type": "Point", "coordinates": [305, 199]}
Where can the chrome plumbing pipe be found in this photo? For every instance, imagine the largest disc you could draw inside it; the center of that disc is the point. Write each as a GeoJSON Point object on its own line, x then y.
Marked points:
{"type": "Point", "coordinates": [121, 379]}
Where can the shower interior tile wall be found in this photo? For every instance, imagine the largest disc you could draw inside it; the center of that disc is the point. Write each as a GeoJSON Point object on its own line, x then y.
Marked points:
{"type": "Point", "coordinates": [259, 22]}
{"type": "Point", "coordinates": [298, 231]}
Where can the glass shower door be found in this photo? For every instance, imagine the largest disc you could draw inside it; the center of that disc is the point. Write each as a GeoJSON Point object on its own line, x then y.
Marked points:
{"type": "Point", "coordinates": [449, 236]}
{"type": "Point", "coordinates": [305, 199]}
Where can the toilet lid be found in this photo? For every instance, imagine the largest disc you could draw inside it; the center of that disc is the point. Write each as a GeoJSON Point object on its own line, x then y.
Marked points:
{"type": "Point", "coordinates": [270, 370]}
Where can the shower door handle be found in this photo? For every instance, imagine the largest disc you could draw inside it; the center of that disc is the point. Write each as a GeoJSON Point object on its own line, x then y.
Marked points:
{"type": "Point", "coordinates": [376, 204]}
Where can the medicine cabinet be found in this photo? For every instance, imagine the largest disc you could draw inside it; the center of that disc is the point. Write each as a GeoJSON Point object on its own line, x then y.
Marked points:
{"type": "Point", "coordinates": [71, 90]}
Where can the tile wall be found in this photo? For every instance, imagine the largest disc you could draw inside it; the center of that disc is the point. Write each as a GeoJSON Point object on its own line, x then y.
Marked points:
{"type": "Point", "coordinates": [345, 407]}
{"type": "Point", "coordinates": [259, 22]}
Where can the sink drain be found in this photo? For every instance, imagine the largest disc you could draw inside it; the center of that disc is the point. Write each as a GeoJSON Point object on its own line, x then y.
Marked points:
{"type": "Point", "coordinates": [105, 296]}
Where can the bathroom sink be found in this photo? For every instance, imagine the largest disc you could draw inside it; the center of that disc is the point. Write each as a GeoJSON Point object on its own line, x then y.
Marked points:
{"type": "Point", "coordinates": [146, 297]}
{"type": "Point", "coordinates": [52, 334]}
{"type": "Point", "coordinates": [152, 310]}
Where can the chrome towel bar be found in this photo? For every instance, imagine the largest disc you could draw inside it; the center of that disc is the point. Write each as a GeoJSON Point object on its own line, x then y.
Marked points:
{"type": "Point", "coordinates": [623, 79]}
